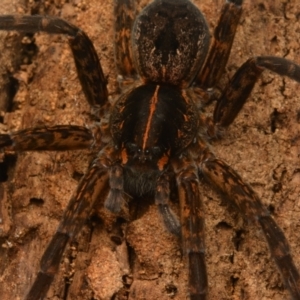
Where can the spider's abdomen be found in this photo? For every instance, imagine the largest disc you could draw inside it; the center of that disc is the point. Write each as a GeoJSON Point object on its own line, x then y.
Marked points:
{"type": "Point", "coordinates": [152, 122]}
{"type": "Point", "coordinates": [170, 40]}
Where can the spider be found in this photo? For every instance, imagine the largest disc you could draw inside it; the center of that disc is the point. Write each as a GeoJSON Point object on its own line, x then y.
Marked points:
{"type": "Point", "coordinates": [156, 131]}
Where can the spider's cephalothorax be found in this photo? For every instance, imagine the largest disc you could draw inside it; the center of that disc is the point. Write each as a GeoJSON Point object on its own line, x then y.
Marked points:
{"type": "Point", "coordinates": [157, 132]}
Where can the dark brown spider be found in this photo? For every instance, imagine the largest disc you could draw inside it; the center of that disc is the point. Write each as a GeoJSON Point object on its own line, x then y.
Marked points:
{"type": "Point", "coordinates": [157, 131]}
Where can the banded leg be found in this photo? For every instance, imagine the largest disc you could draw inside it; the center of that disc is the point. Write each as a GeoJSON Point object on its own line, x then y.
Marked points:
{"type": "Point", "coordinates": [61, 137]}
{"type": "Point", "coordinates": [88, 66]}
{"type": "Point", "coordinates": [192, 228]}
{"type": "Point", "coordinates": [239, 88]}
{"type": "Point", "coordinates": [230, 184]}
{"type": "Point", "coordinates": [93, 185]}
{"type": "Point", "coordinates": [223, 38]}
{"type": "Point", "coordinates": [125, 15]}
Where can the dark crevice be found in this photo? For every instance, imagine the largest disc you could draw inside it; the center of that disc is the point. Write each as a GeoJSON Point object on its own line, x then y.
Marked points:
{"type": "Point", "coordinates": [277, 187]}
{"type": "Point", "coordinates": [171, 289]}
{"type": "Point", "coordinates": [274, 39]}
{"type": "Point", "coordinates": [12, 88]}
{"type": "Point", "coordinates": [36, 201]}
{"type": "Point", "coordinates": [93, 222]}
{"type": "Point", "coordinates": [261, 7]}
{"type": "Point", "coordinates": [271, 209]}
{"type": "Point", "coordinates": [131, 257]}
{"type": "Point", "coordinates": [8, 162]}
{"type": "Point", "coordinates": [223, 225]}
{"type": "Point", "coordinates": [67, 287]}
{"type": "Point", "coordinates": [277, 120]}
{"type": "Point", "coordinates": [8, 92]}
{"type": "Point", "coordinates": [298, 116]}
{"type": "Point", "coordinates": [3, 172]}
{"type": "Point", "coordinates": [66, 290]}
{"type": "Point", "coordinates": [273, 120]}
{"type": "Point", "coordinates": [117, 234]}
{"type": "Point", "coordinates": [238, 239]}
{"type": "Point", "coordinates": [234, 280]}
{"type": "Point", "coordinates": [77, 176]}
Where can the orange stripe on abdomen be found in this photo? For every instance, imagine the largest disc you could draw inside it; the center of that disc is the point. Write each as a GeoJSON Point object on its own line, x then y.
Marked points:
{"type": "Point", "coordinates": [153, 103]}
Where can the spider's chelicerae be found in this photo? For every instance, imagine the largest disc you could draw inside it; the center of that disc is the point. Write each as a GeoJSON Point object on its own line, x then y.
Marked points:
{"type": "Point", "coordinates": [155, 132]}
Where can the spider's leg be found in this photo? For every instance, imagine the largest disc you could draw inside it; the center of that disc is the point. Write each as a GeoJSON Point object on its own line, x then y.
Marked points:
{"type": "Point", "coordinates": [89, 70]}
{"type": "Point", "coordinates": [92, 186]}
{"type": "Point", "coordinates": [162, 197]}
{"type": "Point", "coordinates": [125, 15]}
{"type": "Point", "coordinates": [224, 34]}
{"type": "Point", "coordinates": [230, 184]}
{"type": "Point", "coordinates": [243, 81]}
{"type": "Point", "coordinates": [60, 137]}
{"type": "Point", "coordinates": [192, 226]}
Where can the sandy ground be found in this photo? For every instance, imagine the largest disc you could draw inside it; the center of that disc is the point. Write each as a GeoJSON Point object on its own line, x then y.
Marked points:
{"type": "Point", "coordinates": [39, 85]}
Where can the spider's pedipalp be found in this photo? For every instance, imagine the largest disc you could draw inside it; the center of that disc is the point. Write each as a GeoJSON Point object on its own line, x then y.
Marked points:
{"type": "Point", "coordinates": [115, 200]}
{"type": "Point", "coordinates": [162, 200]}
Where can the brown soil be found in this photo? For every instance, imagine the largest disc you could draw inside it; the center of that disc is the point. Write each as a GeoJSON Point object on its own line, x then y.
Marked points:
{"type": "Point", "coordinates": [262, 145]}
